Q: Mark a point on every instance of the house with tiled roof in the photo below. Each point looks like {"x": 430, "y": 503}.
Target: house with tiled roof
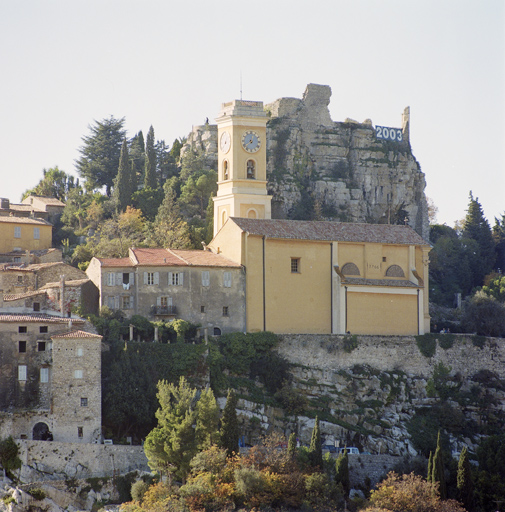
{"x": 200, "y": 287}
{"x": 310, "y": 276}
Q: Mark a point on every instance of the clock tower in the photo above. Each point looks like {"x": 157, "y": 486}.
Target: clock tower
{"x": 242, "y": 163}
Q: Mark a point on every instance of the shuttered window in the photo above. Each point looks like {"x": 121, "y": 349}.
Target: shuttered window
{"x": 227, "y": 279}
{"x": 205, "y": 278}
{"x": 111, "y": 279}
{"x": 151, "y": 278}
{"x": 22, "y": 372}
{"x": 44, "y": 375}
{"x": 176, "y": 278}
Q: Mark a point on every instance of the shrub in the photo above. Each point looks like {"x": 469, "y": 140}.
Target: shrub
{"x": 37, "y": 493}
{"x": 446, "y": 341}
{"x": 9, "y": 459}
{"x": 349, "y": 343}
{"x": 139, "y": 488}
{"x": 427, "y": 344}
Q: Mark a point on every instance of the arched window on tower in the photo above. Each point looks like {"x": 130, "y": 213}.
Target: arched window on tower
{"x": 251, "y": 170}
{"x": 251, "y": 214}
{"x": 225, "y": 170}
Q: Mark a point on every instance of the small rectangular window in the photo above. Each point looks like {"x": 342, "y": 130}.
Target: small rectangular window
{"x": 202, "y": 309}
{"x": 111, "y": 279}
{"x": 225, "y": 310}
{"x": 44, "y": 375}
{"x": 22, "y": 328}
{"x": 36, "y": 306}
{"x": 110, "y": 302}
{"x": 205, "y": 278}
{"x": 17, "y": 231}
{"x": 227, "y": 279}
{"x": 80, "y": 432}
{"x": 384, "y": 258}
{"x": 80, "y": 352}
{"x": 17, "y": 259}
{"x": 126, "y": 302}
{"x": 41, "y": 346}
{"x": 36, "y": 233}
{"x": 20, "y": 279}
{"x": 22, "y": 346}
{"x": 295, "y": 265}
{"x": 43, "y": 329}
{"x": 84, "y": 402}
{"x": 22, "y": 372}
{"x": 77, "y": 374}
{"x": 150, "y": 278}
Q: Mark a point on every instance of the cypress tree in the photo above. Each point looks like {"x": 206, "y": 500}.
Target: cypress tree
{"x": 342, "y": 472}
{"x": 315, "y": 448}
{"x": 429, "y": 478}
{"x": 292, "y": 445}
{"x": 438, "y": 470}
{"x": 464, "y": 480}
{"x": 122, "y": 183}
{"x": 229, "y": 425}
{"x": 150, "y": 165}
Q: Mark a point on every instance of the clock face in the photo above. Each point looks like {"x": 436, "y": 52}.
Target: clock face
{"x": 225, "y": 142}
{"x": 251, "y": 141}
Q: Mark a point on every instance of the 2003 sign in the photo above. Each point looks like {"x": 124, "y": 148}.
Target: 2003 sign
{"x": 389, "y": 133}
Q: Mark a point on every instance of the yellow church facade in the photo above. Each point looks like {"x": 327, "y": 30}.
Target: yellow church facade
{"x": 310, "y": 276}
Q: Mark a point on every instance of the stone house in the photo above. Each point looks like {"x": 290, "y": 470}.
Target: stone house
{"x": 50, "y": 378}
{"x": 164, "y": 284}
{"x": 40, "y": 207}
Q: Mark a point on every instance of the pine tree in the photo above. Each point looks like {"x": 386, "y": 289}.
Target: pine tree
{"x": 499, "y": 239}
{"x": 464, "y": 480}
{"x": 315, "y": 448}
{"x": 292, "y": 445}
{"x": 150, "y": 180}
{"x": 342, "y": 472}
{"x": 207, "y": 423}
{"x": 229, "y": 425}
{"x": 122, "y": 183}
{"x": 438, "y": 469}
{"x": 477, "y": 228}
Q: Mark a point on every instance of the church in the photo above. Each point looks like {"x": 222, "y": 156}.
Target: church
{"x": 310, "y": 276}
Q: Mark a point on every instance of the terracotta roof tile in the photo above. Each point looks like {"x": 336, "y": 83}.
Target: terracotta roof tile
{"x": 74, "y": 282}
{"x": 204, "y": 258}
{"x": 47, "y": 200}
{"x": 115, "y": 262}
{"x": 76, "y": 334}
{"x": 24, "y": 220}
{"x": 330, "y": 231}
{"x": 16, "y": 296}
{"x": 48, "y": 319}
{"x": 157, "y": 256}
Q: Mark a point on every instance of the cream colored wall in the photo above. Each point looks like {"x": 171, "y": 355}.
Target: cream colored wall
{"x": 228, "y": 242}
{"x": 382, "y": 313}
{"x": 26, "y": 242}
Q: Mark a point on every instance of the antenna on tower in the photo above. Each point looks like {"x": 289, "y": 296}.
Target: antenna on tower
{"x": 240, "y": 85}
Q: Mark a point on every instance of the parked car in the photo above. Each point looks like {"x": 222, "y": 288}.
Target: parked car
{"x": 351, "y": 450}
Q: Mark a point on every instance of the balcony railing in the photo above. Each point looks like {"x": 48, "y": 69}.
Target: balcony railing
{"x": 164, "y": 310}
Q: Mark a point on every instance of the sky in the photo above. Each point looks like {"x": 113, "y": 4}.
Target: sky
{"x": 66, "y": 63}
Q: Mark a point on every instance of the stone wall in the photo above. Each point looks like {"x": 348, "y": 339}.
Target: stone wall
{"x": 46, "y": 460}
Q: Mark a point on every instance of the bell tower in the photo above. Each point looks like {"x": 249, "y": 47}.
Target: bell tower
{"x": 242, "y": 163}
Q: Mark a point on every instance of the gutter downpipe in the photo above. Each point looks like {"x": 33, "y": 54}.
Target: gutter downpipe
{"x": 418, "y": 325}
{"x": 264, "y": 292}
{"x": 345, "y": 330}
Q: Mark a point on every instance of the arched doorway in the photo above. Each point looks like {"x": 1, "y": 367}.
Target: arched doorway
{"x": 41, "y": 432}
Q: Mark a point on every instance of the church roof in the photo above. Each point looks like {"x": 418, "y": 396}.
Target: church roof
{"x": 330, "y": 231}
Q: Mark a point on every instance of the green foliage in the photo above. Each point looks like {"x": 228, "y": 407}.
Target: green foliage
{"x": 464, "y": 480}
{"x": 229, "y": 425}
{"x": 438, "y": 474}
{"x": 55, "y": 183}
{"x": 123, "y": 186}
{"x": 100, "y": 152}
{"x": 207, "y": 422}
{"x": 315, "y": 448}
{"x": 484, "y": 315}
{"x": 138, "y": 489}
{"x": 148, "y": 201}
{"x": 342, "y": 472}
{"x": 37, "y": 493}
{"x": 150, "y": 180}
{"x": 427, "y": 344}
{"x": 9, "y": 459}
{"x": 441, "y": 384}
{"x": 349, "y": 343}
{"x": 292, "y": 445}
{"x": 124, "y": 485}
{"x": 291, "y": 399}
{"x": 496, "y": 288}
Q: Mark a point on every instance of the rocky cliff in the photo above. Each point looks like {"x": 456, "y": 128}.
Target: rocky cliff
{"x": 321, "y": 169}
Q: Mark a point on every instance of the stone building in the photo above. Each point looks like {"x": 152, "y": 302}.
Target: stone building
{"x": 19, "y": 234}
{"x": 311, "y": 276}
{"x": 164, "y": 284}
{"x": 50, "y": 378}
{"x": 40, "y": 207}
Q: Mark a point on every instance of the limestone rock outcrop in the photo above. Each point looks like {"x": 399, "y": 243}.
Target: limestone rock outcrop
{"x": 321, "y": 169}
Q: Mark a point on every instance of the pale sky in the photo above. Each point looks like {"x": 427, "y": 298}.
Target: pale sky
{"x": 67, "y": 63}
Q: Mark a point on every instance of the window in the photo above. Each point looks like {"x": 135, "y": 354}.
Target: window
{"x": 164, "y": 302}
{"x": 17, "y": 259}
{"x": 205, "y": 278}
{"x": 295, "y": 265}
{"x": 217, "y": 331}
{"x": 225, "y": 310}
{"x": 22, "y": 328}
{"x": 41, "y": 346}
{"x": 80, "y": 432}
{"x": 17, "y": 231}
{"x": 44, "y": 375}
{"x": 36, "y": 233}
{"x": 383, "y": 258}
{"x": 77, "y": 374}
{"x": 20, "y": 279}
{"x": 151, "y": 278}
{"x": 227, "y": 279}
{"x": 225, "y": 169}
{"x": 22, "y": 372}
{"x": 110, "y": 302}
{"x": 22, "y": 346}
{"x": 84, "y": 402}
{"x": 251, "y": 170}
{"x": 202, "y": 309}
{"x": 111, "y": 279}
{"x": 175, "y": 278}
{"x": 80, "y": 352}
{"x": 43, "y": 329}
{"x": 126, "y": 302}
{"x": 36, "y": 306}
